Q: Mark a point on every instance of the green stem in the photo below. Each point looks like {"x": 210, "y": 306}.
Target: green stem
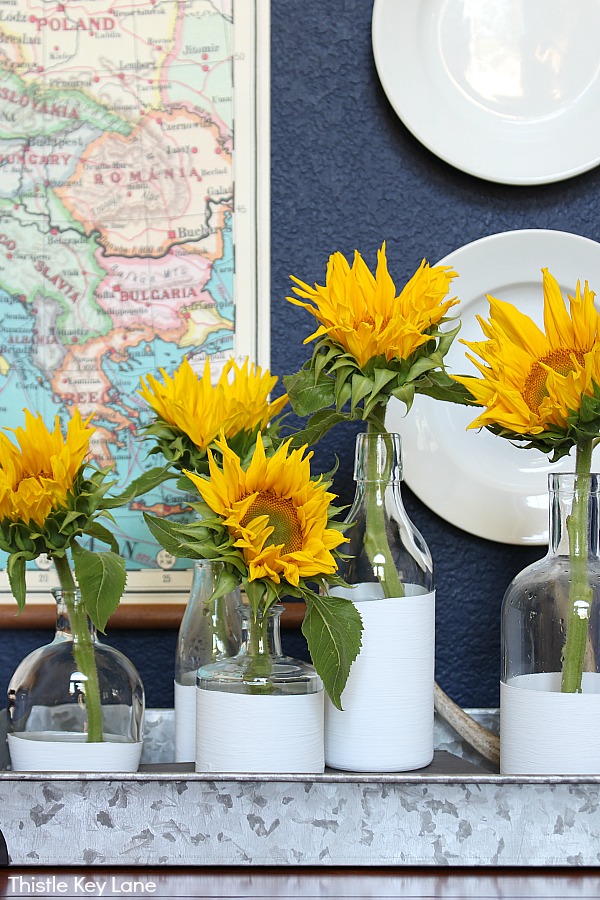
{"x": 83, "y": 649}
{"x": 376, "y": 540}
{"x": 221, "y": 637}
{"x": 580, "y": 594}
{"x": 259, "y": 666}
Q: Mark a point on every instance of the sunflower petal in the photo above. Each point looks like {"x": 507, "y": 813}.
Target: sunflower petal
{"x": 532, "y": 381}
{"x": 238, "y": 402}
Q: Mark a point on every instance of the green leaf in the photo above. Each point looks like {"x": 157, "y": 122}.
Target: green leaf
{"x": 101, "y": 578}
{"x": 100, "y": 533}
{"x": 206, "y": 539}
{"x": 558, "y": 442}
{"x": 67, "y": 519}
{"x": 343, "y": 393}
{"x": 446, "y": 339}
{"x": 332, "y": 627}
{"x": 321, "y": 361}
{"x": 440, "y": 386}
{"x": 345, "y": 364}
{"x": 21, "y": 539}
{"x": 166, "y": 533}
{"x": 308, "y": 393}
{"x": 16, "y": 577}
{"x": 361, "y": 387}
{"x": 226, "y": 583}
{"x": 146, "y": 482}
{"x": 262, "y": 593}
{"x": 420, "y": 366}
{"x": 319, "y": 424}
{"x": 381, "y": 378}
{"x": 406, "y": 394}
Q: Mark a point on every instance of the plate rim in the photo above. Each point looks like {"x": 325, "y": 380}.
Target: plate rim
{"x": 418, "y": 477}
{"x": 558, "y": 173}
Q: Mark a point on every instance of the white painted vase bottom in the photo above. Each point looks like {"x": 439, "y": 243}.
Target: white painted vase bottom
{"x": 185, "y": 722}
{"x": 387, "y": 720}
{"x": 546, "y": 732}
{"x": 63, "y": 752}
{"x": 259, "y": 733}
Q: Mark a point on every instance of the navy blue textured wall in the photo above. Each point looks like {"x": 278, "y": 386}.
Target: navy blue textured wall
{"x": 346, "y": 174}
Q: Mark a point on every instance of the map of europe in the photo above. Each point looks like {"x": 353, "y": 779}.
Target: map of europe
{"x": 116, "y": 239}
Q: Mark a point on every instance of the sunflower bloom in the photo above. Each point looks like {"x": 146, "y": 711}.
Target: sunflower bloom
{"x": 277, "y": 515}
{"x": 36, "y": 476}
{"x": 363, "y": 313}
{"x": 238, "y": 402}
{"x": 533, "y": 380}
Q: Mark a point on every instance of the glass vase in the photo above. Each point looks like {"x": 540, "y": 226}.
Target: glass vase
{"x": 210, "y": 629}
{"x": 49, "y": 706}
{"x": 387, "y": 720}
{"x": 260, "y": 711}
{"x": 550, "y": 683}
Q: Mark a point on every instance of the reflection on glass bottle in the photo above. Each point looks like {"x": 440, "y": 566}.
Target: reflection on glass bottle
{"x": 47, "y": 696}
{"x": 550, "y": 683}
{"x": 387, "y": 718}
{"x": 210, "y": 629}
{"x": 259, "y": 711}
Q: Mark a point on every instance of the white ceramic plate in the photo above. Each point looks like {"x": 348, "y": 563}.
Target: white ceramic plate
{"x": 508, "y": 90}
{"x": 474, "y": 479}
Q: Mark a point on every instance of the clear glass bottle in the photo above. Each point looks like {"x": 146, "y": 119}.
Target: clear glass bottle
{"x": 386, "y": 551}
{"x": 210, "y": 629}
{"x": 259, "y": 711}
{"x": 550, "y": 682}
{"x": 387, "y": 718}
{"x": 48, "y": 718}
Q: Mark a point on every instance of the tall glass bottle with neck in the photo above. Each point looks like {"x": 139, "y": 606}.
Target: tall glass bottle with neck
{"x": 387, "y": 720}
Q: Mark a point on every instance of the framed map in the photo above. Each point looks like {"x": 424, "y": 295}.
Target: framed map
{"x": 133, "y": 185}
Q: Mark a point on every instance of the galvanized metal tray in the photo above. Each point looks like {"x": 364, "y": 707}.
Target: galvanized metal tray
{"x": 455, "y": 812}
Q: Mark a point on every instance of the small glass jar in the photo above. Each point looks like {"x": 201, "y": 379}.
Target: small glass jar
{"x": 550, "y": 683}
{"x": 259, "y": 711}
{"x": 210, "y": 629}
{"x": 48, "y": 715}
{"x": 386, "y": 724}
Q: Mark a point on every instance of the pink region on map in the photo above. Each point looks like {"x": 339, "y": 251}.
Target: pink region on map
{"x": 154, "y": 292}
{"x": 136, "y": 192}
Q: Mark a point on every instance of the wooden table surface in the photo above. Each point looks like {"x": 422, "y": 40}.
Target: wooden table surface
{"x": 303, "y": 884}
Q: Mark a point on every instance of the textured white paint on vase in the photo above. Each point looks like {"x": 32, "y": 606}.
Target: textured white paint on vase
{"x": 259, "y": 733}
{"x": 546, "y": 732}
{"x": 387, "y": 720}
{"x": 63, "y": 752}
{"x": 185, "y": 722}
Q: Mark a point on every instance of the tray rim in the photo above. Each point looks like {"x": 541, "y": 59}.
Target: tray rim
{"x": 325, "y": 778}
{"x": 329, "y": 776}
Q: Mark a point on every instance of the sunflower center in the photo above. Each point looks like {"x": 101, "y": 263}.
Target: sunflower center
{"x": 282, "y": 518}
{"x": 561, "y": 361}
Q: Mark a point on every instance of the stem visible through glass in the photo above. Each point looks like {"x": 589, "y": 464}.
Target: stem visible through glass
{"x": 376, "y": 540}
{"x": 580, "y": 594}
{"x": 83, "y": 649}
{"x": 260, "y": 665}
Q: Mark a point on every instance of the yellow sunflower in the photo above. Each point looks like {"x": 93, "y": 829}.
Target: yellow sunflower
{"x": 533, "y": 379}
{"x": 238, "y": 402}
{"x": 36, "y": 476}
{"x": 277, "y": 515}
{"x": 364, "y": 314}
